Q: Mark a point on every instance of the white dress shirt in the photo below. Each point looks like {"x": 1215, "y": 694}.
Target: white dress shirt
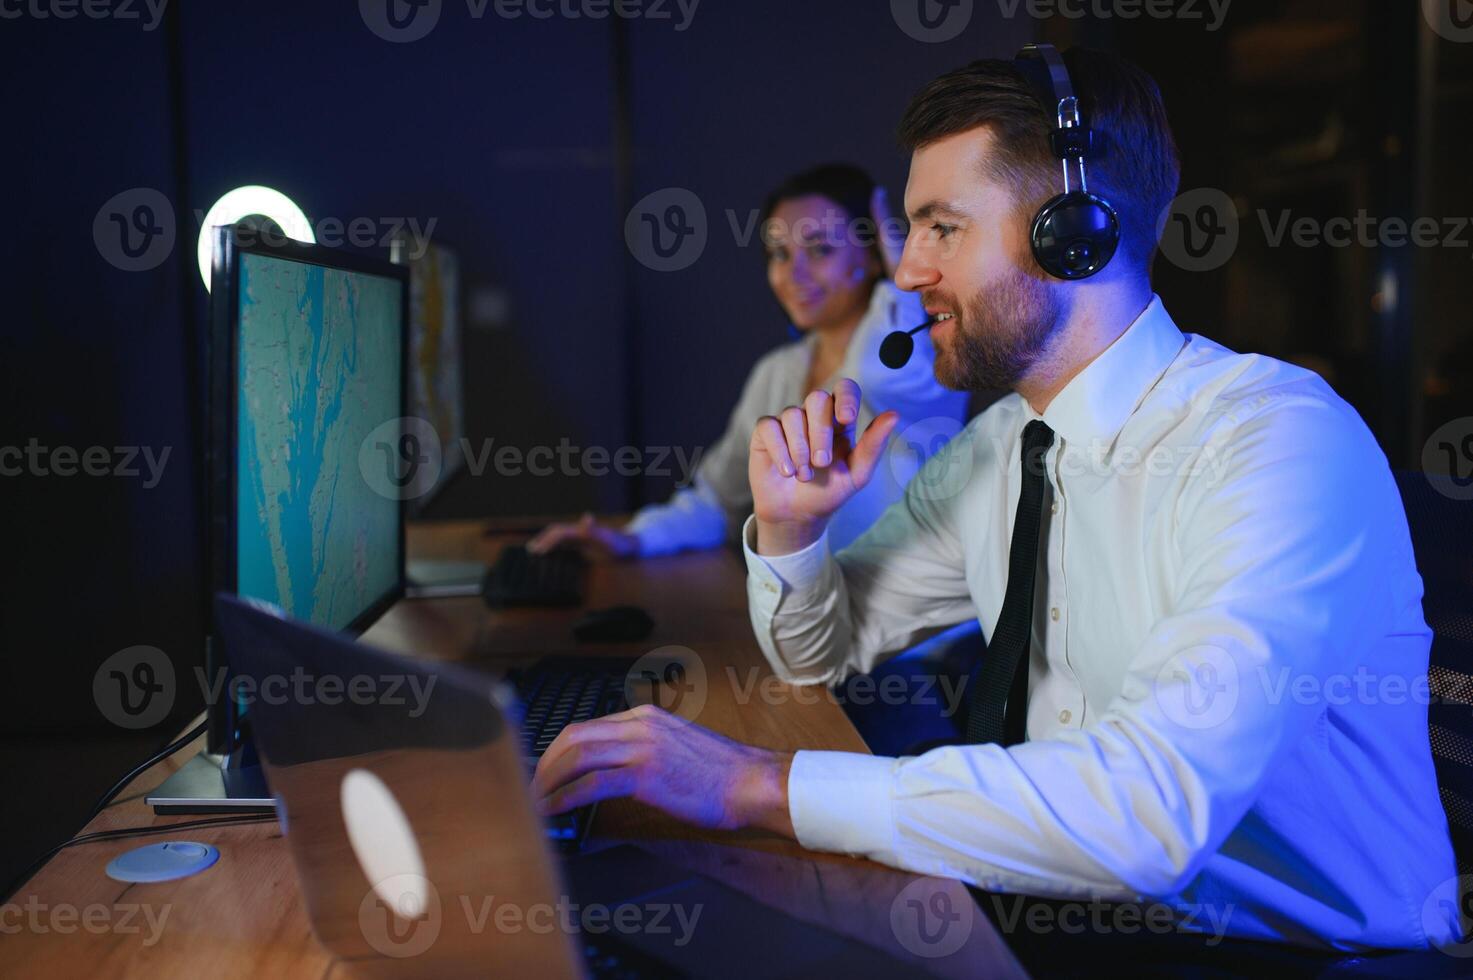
{"x": 1227, "y": 685}
{"x": 710, "y": 511}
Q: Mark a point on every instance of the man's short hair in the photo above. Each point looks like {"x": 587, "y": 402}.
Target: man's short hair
{"x": 1133, "y": 164}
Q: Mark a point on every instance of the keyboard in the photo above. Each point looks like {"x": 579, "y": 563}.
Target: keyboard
{"x": 608, "y": 956}
{"x": 520, "y": 578}
{"x": 555, "y": 693}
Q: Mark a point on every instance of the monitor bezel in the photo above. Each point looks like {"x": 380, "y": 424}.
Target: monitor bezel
{"x": 221, "y": 449}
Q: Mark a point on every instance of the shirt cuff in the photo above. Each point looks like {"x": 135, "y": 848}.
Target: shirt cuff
{"x": 797, "y": 571}
{"x": 844, "y": 801}
{"x": 654, "y": 540}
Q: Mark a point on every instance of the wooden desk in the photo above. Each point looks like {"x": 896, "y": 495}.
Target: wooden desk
{"x": 245, "y": 916}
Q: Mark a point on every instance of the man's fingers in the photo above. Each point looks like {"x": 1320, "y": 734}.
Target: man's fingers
{"x": 795, "y": 430}
{"x": 846, "y": 402}
{"x": 609, "y": 728}
{"x": 768, "y": 436}
{"x": 819, "y": 408}
{"x": 871, "y": 446}
{"x": 552, "y": 536}
{"x": 604, "y": 784}
{"x": 579, "y": 760}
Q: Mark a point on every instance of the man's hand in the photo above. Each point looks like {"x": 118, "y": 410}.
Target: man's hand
{"x": 672, "y": 764}
{"x": 804, "y": 465}
{"x": 585, "y": 533}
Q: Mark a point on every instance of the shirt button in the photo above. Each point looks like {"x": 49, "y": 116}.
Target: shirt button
{"x": 1054, "y": 614}
{"x": 1064, "y": 716}
{"x": 1053, "y": 508}
{"x": 769, "y": 586}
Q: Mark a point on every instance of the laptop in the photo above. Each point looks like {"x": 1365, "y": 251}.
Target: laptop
{"x": 401, "y": 788}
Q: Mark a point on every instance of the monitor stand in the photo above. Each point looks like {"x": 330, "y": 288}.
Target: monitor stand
{"x": 430, "y": 579}
{"x": 211, "y": 784}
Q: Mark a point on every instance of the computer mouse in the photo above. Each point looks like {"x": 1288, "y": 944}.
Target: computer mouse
{"x": 617, "y": 624}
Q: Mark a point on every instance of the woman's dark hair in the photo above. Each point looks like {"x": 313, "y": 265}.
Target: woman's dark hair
{"x": 846, "y": 185}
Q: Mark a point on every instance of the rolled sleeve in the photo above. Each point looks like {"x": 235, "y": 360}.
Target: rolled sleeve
{"x": 843, "y": 801}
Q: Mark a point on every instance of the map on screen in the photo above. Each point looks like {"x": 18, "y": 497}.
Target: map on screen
{"x": 318, "y": 362}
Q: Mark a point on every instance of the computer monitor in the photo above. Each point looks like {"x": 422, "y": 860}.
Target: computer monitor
{"x": 435, "y": 388}
{"x": 310, "y": 348}
{"x": 306, "y": 401}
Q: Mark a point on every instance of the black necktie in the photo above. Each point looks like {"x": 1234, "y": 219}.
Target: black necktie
{"x": 1002, "y": 678}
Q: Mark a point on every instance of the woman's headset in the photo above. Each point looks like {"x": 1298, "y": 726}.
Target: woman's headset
{"x": 1076, "y": 232}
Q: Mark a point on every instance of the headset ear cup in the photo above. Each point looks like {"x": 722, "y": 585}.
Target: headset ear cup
{"x": 1074, "y": 235}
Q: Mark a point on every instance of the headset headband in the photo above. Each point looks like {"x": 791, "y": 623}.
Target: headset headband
{"x": 1069, "y": 137}
{"x": 1044, "y": 71}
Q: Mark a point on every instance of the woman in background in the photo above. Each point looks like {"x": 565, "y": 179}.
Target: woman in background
{"x": 829, "y": 263}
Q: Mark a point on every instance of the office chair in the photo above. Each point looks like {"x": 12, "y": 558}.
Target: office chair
{"x": 1442, "y": 538}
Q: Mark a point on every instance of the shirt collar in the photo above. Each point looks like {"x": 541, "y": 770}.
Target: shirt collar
{"x": 1093, "y": 407}
{"x": 886, "y": 303}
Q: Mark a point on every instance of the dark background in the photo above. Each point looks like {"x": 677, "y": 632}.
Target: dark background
{"x": 528, "y": 142}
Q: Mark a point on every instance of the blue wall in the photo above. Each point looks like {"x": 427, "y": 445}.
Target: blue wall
{"x": 92, "y": 356}
{"x": 524, "y": 140}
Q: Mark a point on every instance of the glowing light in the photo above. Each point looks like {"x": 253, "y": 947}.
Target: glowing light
{"x": 242, "y": 203}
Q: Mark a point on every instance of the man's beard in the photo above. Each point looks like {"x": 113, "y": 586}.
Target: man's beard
{"x": 999, "y": 334}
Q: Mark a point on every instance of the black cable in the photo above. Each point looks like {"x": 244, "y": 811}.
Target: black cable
{"x": 107, "y": 798}
{"x": 125, "y": 832}
{"x": 153, "y": 760}
{"x": 122, "y": 833}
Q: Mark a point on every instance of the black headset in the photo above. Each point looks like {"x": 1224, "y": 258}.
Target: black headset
{"x": 1076, "y": 232}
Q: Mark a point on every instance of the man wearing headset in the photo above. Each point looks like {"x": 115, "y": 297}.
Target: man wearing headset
{"x": 1183, "y": 558}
